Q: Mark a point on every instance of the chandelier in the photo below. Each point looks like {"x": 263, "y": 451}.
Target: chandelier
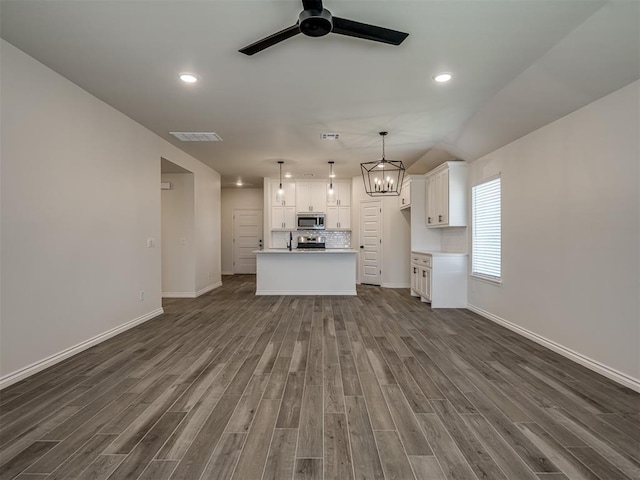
{"x": 382, "y": 177}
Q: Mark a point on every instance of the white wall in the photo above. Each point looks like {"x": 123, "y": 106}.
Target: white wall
{"x": 571, "y": 242}
{"x": 80, "y": 196}
{"x": 178, "y": 236}
{"x": 207, "y": 218}
{"x": 235, "y": 198}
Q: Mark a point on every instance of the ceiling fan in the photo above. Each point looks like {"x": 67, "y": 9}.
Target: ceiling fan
{"x": 317, "y": 21}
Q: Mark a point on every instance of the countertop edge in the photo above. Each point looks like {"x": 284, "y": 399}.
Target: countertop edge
{"x": 307, "y": 251}
{"x": 435, "y": 253}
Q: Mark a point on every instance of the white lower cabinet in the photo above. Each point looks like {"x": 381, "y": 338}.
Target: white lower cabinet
{"x": 439, "y": 278}
{"x": 421, "y": 276}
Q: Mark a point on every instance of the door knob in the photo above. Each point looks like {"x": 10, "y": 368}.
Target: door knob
{"x": 361, "y": 246}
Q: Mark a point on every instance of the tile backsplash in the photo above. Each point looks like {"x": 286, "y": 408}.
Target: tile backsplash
{"x": 333, "y": 239}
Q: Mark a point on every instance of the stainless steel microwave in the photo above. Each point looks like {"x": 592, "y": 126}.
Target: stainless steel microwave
{"x": 310, "y": 221}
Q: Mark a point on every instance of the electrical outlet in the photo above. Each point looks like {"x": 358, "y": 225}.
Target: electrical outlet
{"x": 151, "y": 242}
{"x": 141, "y": 295}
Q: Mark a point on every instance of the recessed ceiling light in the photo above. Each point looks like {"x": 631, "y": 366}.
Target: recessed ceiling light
{"x": 443, "y": 77}
{"x": 188, "y": 77}
{"x": 239, "y": 183}
{"x": 287, "y": 175}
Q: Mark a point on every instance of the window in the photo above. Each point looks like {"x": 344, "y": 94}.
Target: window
{"x": 486, "y": 243}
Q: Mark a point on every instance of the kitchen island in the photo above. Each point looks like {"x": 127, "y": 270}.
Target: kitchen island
{"x": 306, "y": 272}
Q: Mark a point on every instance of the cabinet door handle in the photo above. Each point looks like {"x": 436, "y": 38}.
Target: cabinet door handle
{"x": 414, "y": 269}
{"x": 428, "y": 219}
{"x": 439, "y": 218}
{"x": 424, "y": 274}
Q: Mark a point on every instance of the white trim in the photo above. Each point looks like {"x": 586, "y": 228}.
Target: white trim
{"x": 227, "y": 273}
{"x": 207, "y": 289}
{"x": 40, "y": 365}
{"x": 396, "y": 285}
{"x": 611, "y": 373}
{"x": 178, "y": 295}
{"x": 298, "y": 292}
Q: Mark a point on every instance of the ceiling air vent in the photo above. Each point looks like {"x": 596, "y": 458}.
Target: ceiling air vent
{"x": 330, "y": 136}
{"x": 197, "y": 136}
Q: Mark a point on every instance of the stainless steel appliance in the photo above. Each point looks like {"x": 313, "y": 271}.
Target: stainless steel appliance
{"x": 307, "y": 242}
{"x": 310, "y": 221}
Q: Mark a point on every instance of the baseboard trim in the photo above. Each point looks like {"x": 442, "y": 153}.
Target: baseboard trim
{"x": 178, "y": 295}
{"x": 396, "y": 285}
{"x": 611, "y": 373}
{"x": 36, "y": 367}
{"x": 207, "y": 289}
{"x": 227, "y": 273}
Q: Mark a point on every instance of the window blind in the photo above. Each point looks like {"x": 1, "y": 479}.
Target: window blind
{"x": 486, "y": 244}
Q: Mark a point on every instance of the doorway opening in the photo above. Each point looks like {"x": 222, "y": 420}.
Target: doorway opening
{"x": 177, "y": 231}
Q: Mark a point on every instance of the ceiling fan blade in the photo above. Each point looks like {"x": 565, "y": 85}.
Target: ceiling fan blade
{"x": 312, "y": 5}
{"x": 350, "y": 28}
{"x": 270, "y": 40}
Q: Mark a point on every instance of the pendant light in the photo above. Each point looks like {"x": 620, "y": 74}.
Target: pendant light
{"x": 331, "y": 175}
{"x": 280, "y": 190}
{"x": 382, "y": 177}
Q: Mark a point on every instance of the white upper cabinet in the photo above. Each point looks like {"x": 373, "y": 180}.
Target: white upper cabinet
{"x": 285, "y": 199}
{"x": 447, "y": 195}
{"x": 338, "y": 218}
{"x": 283, "y": 218}
{"x": 341, "y": 195}
{"x": 405, "y": 194}
{"x": 311, "y": 196}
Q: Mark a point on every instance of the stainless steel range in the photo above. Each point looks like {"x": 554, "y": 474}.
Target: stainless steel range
{"x": 308, "y": 242}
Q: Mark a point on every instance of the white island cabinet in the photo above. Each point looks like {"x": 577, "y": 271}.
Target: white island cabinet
{"x": 306, "y": 272}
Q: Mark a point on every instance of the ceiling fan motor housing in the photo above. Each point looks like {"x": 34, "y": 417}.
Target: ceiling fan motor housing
{"x": 314, "y": 23}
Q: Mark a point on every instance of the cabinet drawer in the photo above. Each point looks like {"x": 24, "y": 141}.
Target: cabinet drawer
{"x": 426, "y": 260}
{"x": 420, "y": 259}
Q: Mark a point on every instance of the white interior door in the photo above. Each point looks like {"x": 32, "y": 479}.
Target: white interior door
{"x": 370, "y": 242}
{"x": 247, "y": 237}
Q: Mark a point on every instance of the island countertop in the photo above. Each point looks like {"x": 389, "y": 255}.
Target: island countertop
{"x": 305, "y": 250}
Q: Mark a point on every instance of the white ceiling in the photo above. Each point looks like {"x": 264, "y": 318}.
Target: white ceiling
{"x": 518, "y": 64}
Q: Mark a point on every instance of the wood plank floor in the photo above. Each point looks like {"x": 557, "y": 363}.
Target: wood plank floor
{"x": 378, "y": 386}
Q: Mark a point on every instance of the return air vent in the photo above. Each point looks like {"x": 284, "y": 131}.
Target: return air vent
{"x": 330, "y": 136}
{"x": 197, "y": 136}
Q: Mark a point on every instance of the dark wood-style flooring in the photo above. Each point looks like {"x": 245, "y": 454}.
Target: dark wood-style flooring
{"x": 378, "y": 386}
